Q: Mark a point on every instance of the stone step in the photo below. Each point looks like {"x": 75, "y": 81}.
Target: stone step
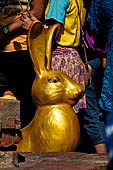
{"x": 52, "y": 161}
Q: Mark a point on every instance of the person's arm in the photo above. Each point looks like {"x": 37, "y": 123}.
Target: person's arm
{"x": 27, "y": 20}
{"x": 36, "y": 12}
{"x": 36, "y": 8}
{"x": 84, "y": 18}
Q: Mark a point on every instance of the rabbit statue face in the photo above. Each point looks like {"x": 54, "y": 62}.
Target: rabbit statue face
{"x": 54, "y": 87}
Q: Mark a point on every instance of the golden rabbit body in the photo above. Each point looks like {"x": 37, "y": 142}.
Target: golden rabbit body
{"x": 55, "y": 127}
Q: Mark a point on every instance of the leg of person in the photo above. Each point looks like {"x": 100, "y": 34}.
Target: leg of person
{"x": 93, "y": 127}
{"x": 92, "y": 124}
{"x": 109, "y": 134}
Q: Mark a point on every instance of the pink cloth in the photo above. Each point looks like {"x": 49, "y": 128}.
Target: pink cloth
{"x": 91, "y": 42}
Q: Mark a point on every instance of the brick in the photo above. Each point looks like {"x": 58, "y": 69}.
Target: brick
{"x": 9, "y": 122}
{"x": 17, "y": 123}
{"x": 9, "y": 111}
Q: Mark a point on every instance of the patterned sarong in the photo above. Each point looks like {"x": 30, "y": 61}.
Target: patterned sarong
{"x": 68, "y": 61}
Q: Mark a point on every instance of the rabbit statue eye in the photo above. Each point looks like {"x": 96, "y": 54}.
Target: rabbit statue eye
{"x": 54, "y": 79}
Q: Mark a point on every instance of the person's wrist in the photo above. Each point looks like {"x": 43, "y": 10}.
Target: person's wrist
{"x": 5, "y": 30}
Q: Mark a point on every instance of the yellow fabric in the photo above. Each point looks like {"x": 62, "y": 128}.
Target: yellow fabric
{"x": 70, "y": 33}
{"x": 9, "y": 15}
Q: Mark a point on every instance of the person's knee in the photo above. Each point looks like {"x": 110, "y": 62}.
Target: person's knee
{"x": 95, "y": 65}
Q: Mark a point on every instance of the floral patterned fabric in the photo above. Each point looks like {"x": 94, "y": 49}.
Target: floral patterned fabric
{"x": 67, "y": 60}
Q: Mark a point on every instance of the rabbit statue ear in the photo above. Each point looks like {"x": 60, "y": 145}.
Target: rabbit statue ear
{"x": 49, "y": 40}
{"x": 36, "y": 46}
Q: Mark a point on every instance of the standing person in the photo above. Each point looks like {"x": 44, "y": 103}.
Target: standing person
{"x": 16, "y": 72}
{"x": 101, "y": 21}
{"x": 91, "y": 118}
{"x": 65, "y": 57}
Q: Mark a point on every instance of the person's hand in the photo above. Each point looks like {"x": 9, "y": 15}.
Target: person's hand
{"x": 103, "y": 63}
{"x": 27, "y": 20}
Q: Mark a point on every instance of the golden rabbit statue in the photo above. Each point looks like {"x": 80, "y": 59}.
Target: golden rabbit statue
{"x": 55, "y": 127}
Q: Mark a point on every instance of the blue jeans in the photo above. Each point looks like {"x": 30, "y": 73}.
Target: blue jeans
{"x": 109, "y": 134}
{"x": 90, "y": 116}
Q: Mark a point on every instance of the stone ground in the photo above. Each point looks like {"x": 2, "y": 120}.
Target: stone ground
{"x": 52, "y": 161}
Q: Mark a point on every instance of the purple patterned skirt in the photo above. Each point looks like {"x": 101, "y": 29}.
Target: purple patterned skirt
{"x": 68, "y": 61}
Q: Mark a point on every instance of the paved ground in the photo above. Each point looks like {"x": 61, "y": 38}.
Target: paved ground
{"x": 52, "y": 161}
